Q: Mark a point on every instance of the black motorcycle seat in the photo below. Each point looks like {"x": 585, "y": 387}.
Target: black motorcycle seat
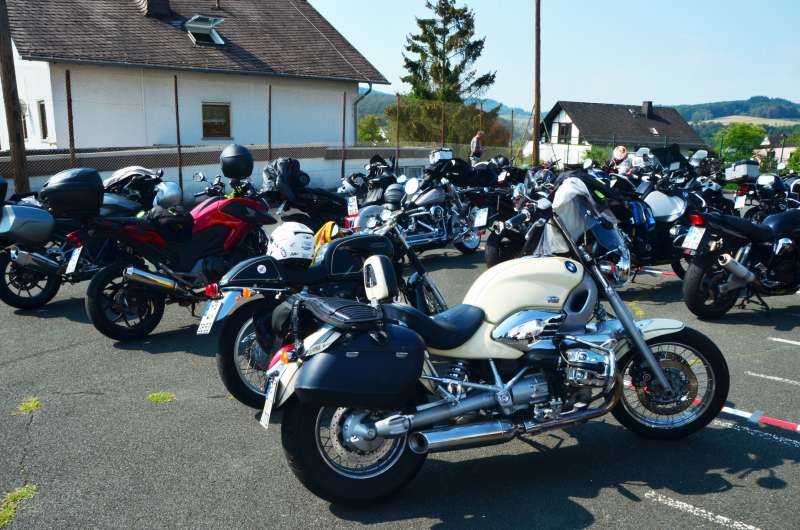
{"x": 758, "y": 233}
{"x": 445, "y": 331}
{"x": 785, "y": 223}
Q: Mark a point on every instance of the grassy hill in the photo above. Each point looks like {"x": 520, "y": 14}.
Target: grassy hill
{"x": 755, "y": 120}
{"x": 757, "y": 106}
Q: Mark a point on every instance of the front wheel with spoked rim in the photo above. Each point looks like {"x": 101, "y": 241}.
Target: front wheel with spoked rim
{"x": 698, "y": 375}
{"x": 327, "y": 455}
{"x": 120, "y": 309}
{"x": 25, "y": 288}
{"x": 242, "y": 359}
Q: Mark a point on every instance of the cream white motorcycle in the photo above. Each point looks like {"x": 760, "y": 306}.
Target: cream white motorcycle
{"x": 376, "y": 387}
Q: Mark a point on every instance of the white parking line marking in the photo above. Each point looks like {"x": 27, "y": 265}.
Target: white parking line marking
{"x": 783, "y": 440}
{"x": 786, "y": 341}
{"x": 698, "y": 512}
{"x": 774, "y": 378}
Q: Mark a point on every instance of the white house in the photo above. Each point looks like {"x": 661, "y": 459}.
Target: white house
{"x": 571, "y": 128}
{"x": 235, "y": 61}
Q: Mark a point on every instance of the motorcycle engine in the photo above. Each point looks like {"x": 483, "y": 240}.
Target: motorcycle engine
{"x": 587, "y": 368}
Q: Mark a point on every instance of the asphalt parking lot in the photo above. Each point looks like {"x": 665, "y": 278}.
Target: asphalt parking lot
{"x": 103, "y": 456}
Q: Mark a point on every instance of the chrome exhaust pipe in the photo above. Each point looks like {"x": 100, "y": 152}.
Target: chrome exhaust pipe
{"x": 149, "y": 279}
{"x": 500, "y": 431}
{"x": 462, "y": 436}
{"x": 35, "y": 261}
{"x": 727, "y": 262}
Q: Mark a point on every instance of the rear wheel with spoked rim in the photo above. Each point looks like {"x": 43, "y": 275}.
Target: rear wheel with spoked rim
{"x": 326, "y": 453}
{"x": 698, "y": 375}
{"x": 25, "y": 288}
{"x": 702, "y": 291}
{"x": 120, "y": 309}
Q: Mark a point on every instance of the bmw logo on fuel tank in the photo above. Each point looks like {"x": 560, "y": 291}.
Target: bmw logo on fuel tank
{"x": 571, "y": 267}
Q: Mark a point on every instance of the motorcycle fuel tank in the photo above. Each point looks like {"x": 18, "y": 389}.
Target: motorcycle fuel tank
{"x": 429, "y": 197}
{"x": 525, "y": 283}
{"x": 666, "y": 208}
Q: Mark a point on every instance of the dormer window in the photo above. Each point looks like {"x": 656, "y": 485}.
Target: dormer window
{"x": 202, "y": 30}
{"x": 654, "y": 131}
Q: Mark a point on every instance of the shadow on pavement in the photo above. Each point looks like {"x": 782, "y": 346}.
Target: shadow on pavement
{"x": 452, "y": 259}
{"x": 536, "y": 489}
{"x": 182, "y": 339}
{"x": 71, "y": 308}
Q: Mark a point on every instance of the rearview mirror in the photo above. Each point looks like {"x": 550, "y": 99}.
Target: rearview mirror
{"x": 199, "y": 177}
{"x": 588, "y": 163}
{"x": 401, "y": 179}
{"x": 781, "y": 166}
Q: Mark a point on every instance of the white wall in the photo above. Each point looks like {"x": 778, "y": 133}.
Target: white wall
{"x": 33, "y": 85}
{"x": 127, "y": 107}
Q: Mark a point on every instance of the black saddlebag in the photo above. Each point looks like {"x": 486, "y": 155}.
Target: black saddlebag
{"x": 373, "y": 369}
{"x": 73, "y": 193}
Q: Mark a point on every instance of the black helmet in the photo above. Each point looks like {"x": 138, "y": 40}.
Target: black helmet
{"x": 501, "y": 161}
{"x": 236, "y": 161}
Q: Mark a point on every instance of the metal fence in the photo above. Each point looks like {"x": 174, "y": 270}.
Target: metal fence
{"x": 407, "y": 129}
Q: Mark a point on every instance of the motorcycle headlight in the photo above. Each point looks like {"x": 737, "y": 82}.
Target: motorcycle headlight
{"x": 618, "y": 271}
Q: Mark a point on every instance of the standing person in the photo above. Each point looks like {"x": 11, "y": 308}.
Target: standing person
{"x": 476, "y": 147}
{"x": 620, "y": 162}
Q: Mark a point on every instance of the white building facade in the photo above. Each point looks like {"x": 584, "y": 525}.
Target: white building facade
{"x": 122, "y": 106}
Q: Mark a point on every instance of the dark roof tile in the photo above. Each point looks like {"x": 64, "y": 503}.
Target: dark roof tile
{"x": 269, "y": 37}
{"x": 604, "y": 123}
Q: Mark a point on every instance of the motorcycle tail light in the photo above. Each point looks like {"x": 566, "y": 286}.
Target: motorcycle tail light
{"x": 75, "y": 239}
{"x": 281, "y": 356}
{"x": 212, "y": 290}
{"x": 742, "y": 190}
{"x": 696, "y": 219}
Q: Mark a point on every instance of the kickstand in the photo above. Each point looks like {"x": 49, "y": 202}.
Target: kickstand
{"x": 758, "y": 301}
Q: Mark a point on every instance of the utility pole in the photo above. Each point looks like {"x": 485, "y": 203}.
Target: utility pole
{"x": 8, "y": 77}
{"x": 537, "y": 44}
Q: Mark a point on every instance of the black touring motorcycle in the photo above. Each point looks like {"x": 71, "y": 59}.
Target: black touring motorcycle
{"x": 44, "y": 234}
{"x": 249, "y": 308}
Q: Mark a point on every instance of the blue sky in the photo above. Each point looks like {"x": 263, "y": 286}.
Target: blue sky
{"x": 625, "y": 51}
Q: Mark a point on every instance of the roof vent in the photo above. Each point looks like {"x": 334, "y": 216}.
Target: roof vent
{"x": 154, "y": 8}
{"x": 202, "y": 30}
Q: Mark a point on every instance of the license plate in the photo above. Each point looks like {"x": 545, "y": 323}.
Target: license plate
{"x": 739, "y": 203}
{"x": 209, "y": 317}
{"x": 73, "y": 260}
{"x": 352, "y": 205}
{"x": 480, "y": 218}
{"x": 693, "y": 237}
{"x": 272, "y": 389}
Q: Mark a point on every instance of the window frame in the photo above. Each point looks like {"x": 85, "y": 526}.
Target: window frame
{"x": 227, "y": 106}
{"x": 44, "y": 131}
{"x": 568, "y": 136}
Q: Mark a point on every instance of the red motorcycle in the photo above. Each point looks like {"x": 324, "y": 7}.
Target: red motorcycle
{"x": 171, "y": 256}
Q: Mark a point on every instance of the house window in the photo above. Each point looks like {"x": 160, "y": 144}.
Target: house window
{"x": 216, "y": 120}
{"x": 42, "y": 119}
{"x": 564, "y": 133}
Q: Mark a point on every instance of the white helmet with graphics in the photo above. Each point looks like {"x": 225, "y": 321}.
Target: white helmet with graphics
{"x": 292, "y": 243}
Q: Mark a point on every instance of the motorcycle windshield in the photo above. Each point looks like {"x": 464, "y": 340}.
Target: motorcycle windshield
{"x": 578, "y": 212}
